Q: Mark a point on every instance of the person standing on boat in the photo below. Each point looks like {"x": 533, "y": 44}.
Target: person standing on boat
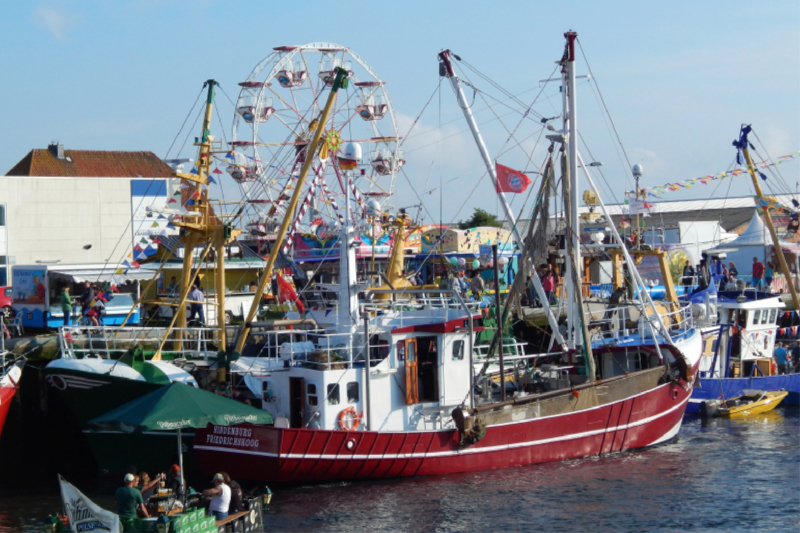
{"x": 548, "y": 284}
{"x": 768, "y": 275}
{"x": 221, "y": 499}
{"x": 688, "y": 277}
{"x": 758, "y": 273}
{"x": 733, "y": 273}
{"x": 196, "y": 307}
{"x": 779, "y": 356}
{"x": 66, "y": 305}
{"x": 795, "y": 352}
{"x": 86, "y": 298}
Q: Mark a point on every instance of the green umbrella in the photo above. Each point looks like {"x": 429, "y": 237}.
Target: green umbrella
{"x": 177, "y": 406}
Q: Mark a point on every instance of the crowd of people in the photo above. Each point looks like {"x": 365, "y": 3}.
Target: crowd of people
{"x": 225, "y": 495}
{"x": 92, "y": 302}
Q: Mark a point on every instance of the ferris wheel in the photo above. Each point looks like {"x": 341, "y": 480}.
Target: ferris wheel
{"x": 275, "y": 118}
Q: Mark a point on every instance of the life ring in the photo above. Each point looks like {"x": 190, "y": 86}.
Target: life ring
{"x": 349, "y": 419}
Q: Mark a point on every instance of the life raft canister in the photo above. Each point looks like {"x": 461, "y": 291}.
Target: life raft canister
{"x": 349, "y": 419}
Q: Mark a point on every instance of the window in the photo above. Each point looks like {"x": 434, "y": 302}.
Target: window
{"x": 764, "y": 316}
{"x": 311, "y": 395}
{"x": 458, "y": 350}
{"x": 2, "y": 214}
{"x": 773, "y": 314}
{"x": 352, "y": 392}
{"x": 401, "y": 350}
{"x": 333, "y": 394}
{"x": 756, "y": 316}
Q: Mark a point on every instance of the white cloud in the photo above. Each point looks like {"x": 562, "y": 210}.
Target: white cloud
{"x": 55, "y": 21}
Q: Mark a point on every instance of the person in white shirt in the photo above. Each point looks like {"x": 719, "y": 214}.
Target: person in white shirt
{"x": 221, "y": 497}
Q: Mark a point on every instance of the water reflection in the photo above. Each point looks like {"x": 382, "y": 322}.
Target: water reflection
{"x": 719, "y": 475}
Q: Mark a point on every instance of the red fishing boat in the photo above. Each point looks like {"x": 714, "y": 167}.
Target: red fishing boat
{"x": 391, "y": 381}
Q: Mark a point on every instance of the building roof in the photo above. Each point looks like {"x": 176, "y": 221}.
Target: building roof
{"x": 90, "y": 164}
{"x": 731, "y": 213}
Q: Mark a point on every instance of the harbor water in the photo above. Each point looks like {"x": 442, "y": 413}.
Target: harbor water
{"x": 718, "y": 475}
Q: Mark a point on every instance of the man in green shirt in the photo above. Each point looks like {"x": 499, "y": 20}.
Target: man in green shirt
{"x": 129, "y": 499}
{"x": 66, "y": 306}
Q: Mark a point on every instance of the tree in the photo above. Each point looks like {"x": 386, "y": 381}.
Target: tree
{"x": 480, "y": 218}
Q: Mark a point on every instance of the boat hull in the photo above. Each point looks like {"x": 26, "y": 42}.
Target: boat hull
{"x": 718, "y": 388}
{"x": 8, "y": 387}
{"x": 769, "y": 403}
{"x": 269, "y": 454}
{"x": 6, "y": 395}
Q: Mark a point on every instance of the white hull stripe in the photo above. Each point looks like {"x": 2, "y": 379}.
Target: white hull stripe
{"x": 467, "y": 451}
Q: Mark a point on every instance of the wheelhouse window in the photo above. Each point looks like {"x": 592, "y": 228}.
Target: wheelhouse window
{"x": 333, "y": 394}
{"x": 764, "y": 316}
{"x": 352, "y": 392}
{"x": 311, "y": 395}
{"x": 773, "y": 314}
{"x": 458, "y": 350}
{"x": 756, "y": 316}
{"x": 401, "y": 350}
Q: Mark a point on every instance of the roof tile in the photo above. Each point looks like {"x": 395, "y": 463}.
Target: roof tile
{"x": 92, "y": 164}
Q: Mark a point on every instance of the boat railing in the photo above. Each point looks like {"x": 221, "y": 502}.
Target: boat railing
{"x": 312, "y": 348}
{"x": 111, "y": 341}
{"x": 620, "y": 321}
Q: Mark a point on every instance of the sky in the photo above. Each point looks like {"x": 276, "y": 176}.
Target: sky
{"x": 677, "y": 80}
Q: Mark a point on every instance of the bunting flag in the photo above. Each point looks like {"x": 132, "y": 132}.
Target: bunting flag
{"x": 189, "y": 202}
{"x": 161, "y": 216}
{"x": 126, "y": 263}
{"x": 172, "y": 201}
{"x": 154, "y": 225}
{"x": 170, "y": 225}
{"x": 657, "y": 190}
{"x": 229, "y": 155}
{"x": 212, "y": 180}
{"x": 215, "y": 171}
{"x": 156, "y": 241}
{"x": 137, "y": 248}
{"x": 194, "y": 171}
{"x": 119, "y": 271}
{"x": 135, "y": 264}
{"x": 177, "y": 193}
{"x": 143, "y": 241}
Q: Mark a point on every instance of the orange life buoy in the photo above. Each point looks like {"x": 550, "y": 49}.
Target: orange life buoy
{"x": 349, "y": 419}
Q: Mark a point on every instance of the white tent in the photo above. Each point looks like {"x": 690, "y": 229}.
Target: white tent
{"x": 755, "y": 241}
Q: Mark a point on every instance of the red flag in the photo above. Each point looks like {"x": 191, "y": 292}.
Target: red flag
{"x": 217, "y": 171}
{"x": 286, "y": 293}
{"x": 510, "y": 180}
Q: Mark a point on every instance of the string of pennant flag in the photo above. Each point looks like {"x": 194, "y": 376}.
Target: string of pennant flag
{"x": 657, "y": 190}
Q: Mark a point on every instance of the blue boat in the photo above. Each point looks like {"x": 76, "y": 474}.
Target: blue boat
{"x": 738, "y": 342}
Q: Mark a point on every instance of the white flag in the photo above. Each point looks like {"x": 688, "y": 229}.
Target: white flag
{"x": 84, "y": 514}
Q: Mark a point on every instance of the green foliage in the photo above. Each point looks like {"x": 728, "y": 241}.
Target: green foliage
{"x": 480, "y": 218}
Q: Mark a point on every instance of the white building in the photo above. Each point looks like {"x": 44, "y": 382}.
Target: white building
{"x": 74, "y": 206}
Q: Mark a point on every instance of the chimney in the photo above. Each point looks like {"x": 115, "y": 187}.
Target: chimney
{"x": 57, "y": 150}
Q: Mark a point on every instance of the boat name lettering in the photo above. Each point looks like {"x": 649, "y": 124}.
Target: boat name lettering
{"x": 173, "y": 425}
{"x": 231, "y": 441}
{"x": 238, "y": 432}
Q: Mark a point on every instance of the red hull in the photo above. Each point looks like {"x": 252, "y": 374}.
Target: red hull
{"x": 270, "y": 454}
{"x": 6, "y": 394}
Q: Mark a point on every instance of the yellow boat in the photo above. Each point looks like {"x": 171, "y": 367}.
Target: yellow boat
{"x": 752, "y": 402}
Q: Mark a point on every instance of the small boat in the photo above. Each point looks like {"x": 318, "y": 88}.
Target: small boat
{"x": 751, "y": 402}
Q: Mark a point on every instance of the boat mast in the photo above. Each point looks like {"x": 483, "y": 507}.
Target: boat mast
{"x": 339, "y": 82}
{"x": 573, "y": 256}
{"x": 444, "y": 56}
{"x": 743, "y": 145}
